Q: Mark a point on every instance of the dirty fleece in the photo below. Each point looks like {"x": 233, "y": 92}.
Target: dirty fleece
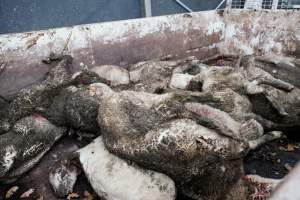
{"x": 159, "y": 128}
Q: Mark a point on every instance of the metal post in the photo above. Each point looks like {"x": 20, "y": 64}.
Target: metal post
{"x": 184, "y": 6}
{"x": 146, "y": 8}
{"x": 220, "y": 4}
{"x": 229, "y": 4}
{"x": 274, "y": 4}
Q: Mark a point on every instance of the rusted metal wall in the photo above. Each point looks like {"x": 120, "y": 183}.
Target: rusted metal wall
{"x": 125, "y": 42}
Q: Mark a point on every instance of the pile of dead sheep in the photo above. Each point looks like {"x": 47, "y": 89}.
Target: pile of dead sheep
{"x": 160, "y": 127}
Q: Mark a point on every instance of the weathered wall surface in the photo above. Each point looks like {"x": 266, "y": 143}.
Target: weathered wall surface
{"x": 125, "y": 42}
{"x": 262, "y": 32}
{"x": 120, "y": 43}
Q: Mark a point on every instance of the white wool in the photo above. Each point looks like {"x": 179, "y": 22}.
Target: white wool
{"x": 180, "y": 81}
{"x": 63, "y": 179}
{"x": 9, "y": 156}
{"x": 55, "y": 180}
{"x": 31, "y": 150}
{"x": 146, "y": 99}
{"x": 114, "y": 179}
{"x": 117, "y": 75}
{"x": 135, "y": 75}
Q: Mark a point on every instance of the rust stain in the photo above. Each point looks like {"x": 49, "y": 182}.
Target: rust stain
{"x": 155, "y": 45}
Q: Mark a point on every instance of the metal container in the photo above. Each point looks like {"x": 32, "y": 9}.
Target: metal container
{"x": 201, "y": 34}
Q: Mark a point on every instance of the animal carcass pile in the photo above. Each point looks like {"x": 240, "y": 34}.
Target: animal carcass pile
{"x": 161, "y": 130}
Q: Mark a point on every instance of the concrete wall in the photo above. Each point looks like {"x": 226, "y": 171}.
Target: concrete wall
{"x": 122, "y": 43}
